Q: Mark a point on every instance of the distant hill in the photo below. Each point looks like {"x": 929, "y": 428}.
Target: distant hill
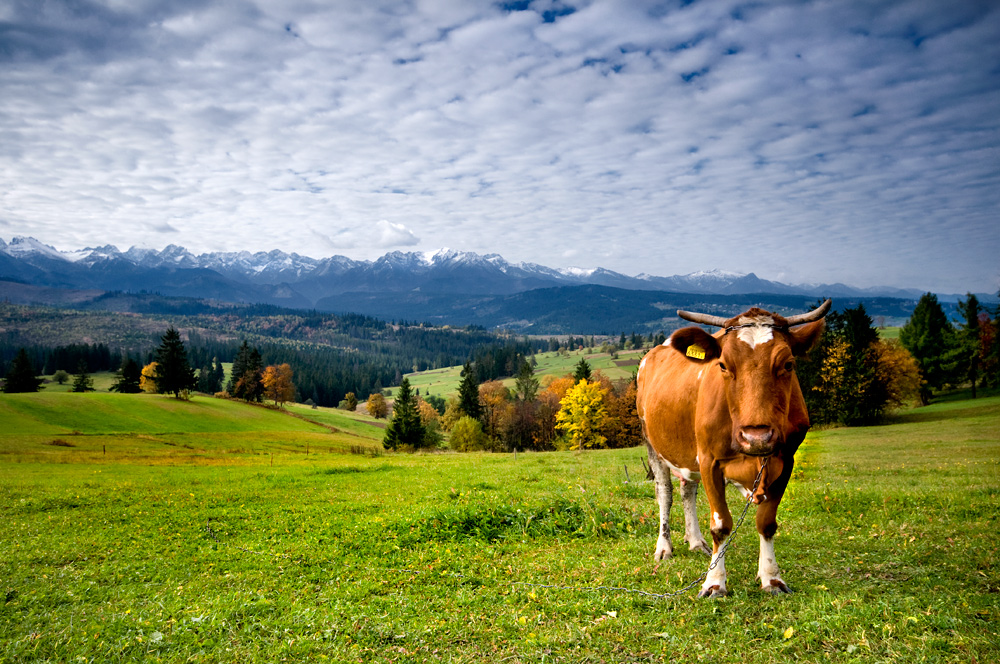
{"x": 446, "y": 287}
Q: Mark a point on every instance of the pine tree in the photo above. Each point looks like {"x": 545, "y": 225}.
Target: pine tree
{"x": 405, "y": 430}
{"x": 21, "y": 375}
{"x": 970, "y": 347}
{"x": 83, "y": 382}
{"x": 129, "y": 378}
{"x": 931, "y": 340}
{"x": 582, "y": 370}
{"x": 173, "y": 373}
{"x": 525, "y": 383}
{"x": 468, "y": 393}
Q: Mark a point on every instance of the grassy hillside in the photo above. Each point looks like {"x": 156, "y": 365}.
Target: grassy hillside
{"x": 143, "y": 427}
{"x": 444, "y": 382}
{"x": 886, "y": 536}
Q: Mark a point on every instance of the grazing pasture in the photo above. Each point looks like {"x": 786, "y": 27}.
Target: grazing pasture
{"x": 154, "y": 552}
{"x": 444, "y": 382}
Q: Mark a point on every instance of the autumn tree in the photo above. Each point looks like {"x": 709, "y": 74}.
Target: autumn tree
{"x": 582, "y": 416}
{"x": 899, "y": 373}
{"x": 147, "y": 378}
{"x": 349, "y": 402}
{"x": 21, "y": 376}
{"x": 376, "y": 406}
{"x": 494, "y": 399}
{"x": 82, "y": 382}
{"x": 173, "y": 373}
{"x": 278, "y": 385}
{"x": 467, "y": 435}
{"x": 405, "y": 430}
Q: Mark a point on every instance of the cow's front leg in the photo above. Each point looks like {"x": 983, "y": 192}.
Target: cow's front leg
{"x": 722, "y": 525}
{"x": 767, "y": 564}
{"x": 665, "y": 499}
{"x": 692, "y": 531}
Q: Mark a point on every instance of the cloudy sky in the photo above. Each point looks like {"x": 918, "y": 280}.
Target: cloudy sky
{"x": 812, "y": 141}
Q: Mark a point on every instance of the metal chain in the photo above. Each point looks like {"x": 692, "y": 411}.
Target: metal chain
{"x": 636, "y": 591}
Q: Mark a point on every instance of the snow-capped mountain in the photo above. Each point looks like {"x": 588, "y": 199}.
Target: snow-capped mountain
{"x": 290, "y": 279}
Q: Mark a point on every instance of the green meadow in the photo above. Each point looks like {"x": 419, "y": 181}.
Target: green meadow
{"x": 444, "y": 382}
{"x": 141, "y": 528}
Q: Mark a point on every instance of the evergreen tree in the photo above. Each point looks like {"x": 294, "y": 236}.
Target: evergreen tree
{"x": 865, "y": 392}
{"x": 129, "y": 377}
{"x": 468, "y": 393}
{"x": 405, "y": 429}
{"x": 83, "y": 382}
{"x": 173, "y": 373}
{"x": 582, "y": 370}
{"x": 21, "y": 375}
{"x": 525, "y": 383}
{"x": 246, "y": 381}
{"x": 970, "y": 347}
{"x": 930, "y": 338}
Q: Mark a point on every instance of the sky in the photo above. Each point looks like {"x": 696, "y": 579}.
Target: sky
{"x": 806, "y": 142}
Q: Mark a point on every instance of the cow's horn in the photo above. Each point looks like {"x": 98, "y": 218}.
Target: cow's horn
{"x": 815, "y": 314}
{"x": 704, "y": 319}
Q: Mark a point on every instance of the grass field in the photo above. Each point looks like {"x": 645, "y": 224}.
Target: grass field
{"x": 888, "y": 537}
{"x": 444, "y": 382}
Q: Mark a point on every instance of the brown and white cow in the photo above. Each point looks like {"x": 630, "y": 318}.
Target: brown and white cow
{"x": 713, "y": 407}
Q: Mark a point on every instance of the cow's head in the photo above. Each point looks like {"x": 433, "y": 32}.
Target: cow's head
{"x": 755, "y": 357}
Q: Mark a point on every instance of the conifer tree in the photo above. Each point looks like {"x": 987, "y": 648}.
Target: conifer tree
{"x": 970, "y": 347}
{"x": 83, "y": 382}
{"x": 129, "y": 378}
{"x": 173, "y": 373}
{"x": 468, "y": 393}
{"x": 21, "y": 375}
{"x": 582, "y": 370}
{"x": 931, "y": 340}
{"x": 405, "y": 429}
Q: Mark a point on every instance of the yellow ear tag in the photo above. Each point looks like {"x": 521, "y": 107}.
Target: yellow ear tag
{"x": 697, "y": 352}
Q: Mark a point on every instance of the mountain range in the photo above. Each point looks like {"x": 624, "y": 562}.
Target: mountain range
{"x": 447, "y": 286}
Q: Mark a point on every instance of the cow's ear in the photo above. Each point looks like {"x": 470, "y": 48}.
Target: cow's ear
{"x": 804, "y": 337}
{"x": 695, "y": 344}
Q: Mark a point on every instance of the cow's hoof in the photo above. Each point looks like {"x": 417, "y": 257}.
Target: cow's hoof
{"x": 662, "y": 554}
{"x": 712, "y": 592}
{"x": 777, "y": 587}
{"x": 702, "y": 547}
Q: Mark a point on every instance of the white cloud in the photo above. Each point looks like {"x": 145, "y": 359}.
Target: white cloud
{"x": 823, "y": 141}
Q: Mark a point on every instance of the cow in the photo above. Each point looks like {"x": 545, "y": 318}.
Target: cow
{"x": 720, "y": 409}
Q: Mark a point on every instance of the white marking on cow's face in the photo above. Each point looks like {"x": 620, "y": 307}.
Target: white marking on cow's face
{"x": 758, "y": 334}
{"x": 667, "y": 342}
{"x": 642, "y": 364}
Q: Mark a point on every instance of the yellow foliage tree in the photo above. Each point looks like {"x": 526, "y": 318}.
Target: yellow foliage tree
{"x": 582, "y": 415}
{"x": 376, "y": 406}
{"x": 147, "y": 380}
{"x": 278, "y": 385}
{"x": 899, "y": 370}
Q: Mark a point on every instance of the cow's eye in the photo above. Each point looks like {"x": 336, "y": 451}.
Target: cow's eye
{"x": 789, "y": 366}
{"x": 722, "y": 365}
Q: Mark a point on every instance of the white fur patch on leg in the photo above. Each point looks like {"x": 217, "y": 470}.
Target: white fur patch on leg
{"x": 767, "y": 569}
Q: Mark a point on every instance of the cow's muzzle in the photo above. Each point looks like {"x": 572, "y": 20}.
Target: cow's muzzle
{"x": 756, "y": 441}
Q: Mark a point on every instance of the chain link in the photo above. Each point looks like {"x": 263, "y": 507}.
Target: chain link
{"x": 552, "y": 586}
